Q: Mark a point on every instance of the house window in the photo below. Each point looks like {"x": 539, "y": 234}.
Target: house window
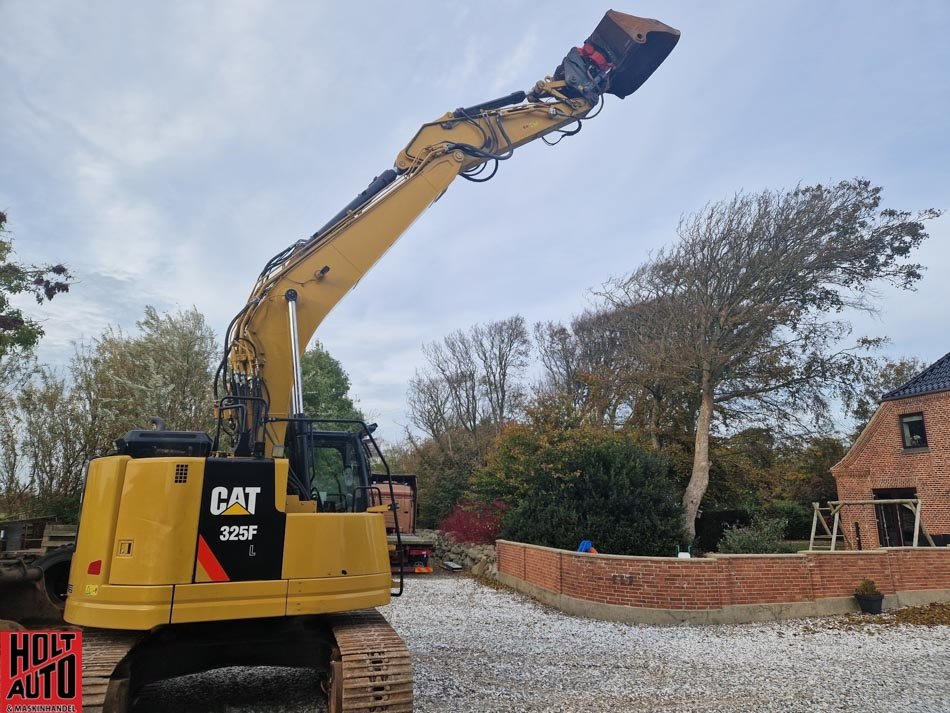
{"x": 912, "y": 429}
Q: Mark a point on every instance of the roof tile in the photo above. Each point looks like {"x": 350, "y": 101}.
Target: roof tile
{"x": 934, "y": 378}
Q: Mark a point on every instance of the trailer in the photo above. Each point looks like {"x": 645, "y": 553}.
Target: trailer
{"x": 408, "y": 552}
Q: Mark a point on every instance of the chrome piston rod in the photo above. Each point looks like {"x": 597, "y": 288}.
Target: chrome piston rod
{"x": 297, "y": 391}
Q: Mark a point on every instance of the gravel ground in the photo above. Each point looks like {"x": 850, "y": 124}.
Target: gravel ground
{"x": 479, "y": 649}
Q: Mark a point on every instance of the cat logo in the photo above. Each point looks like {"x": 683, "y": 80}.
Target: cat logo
{"x": 234, "y": 501}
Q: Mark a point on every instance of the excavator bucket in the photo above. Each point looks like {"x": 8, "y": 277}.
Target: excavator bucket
{"x": 634, "y": 46}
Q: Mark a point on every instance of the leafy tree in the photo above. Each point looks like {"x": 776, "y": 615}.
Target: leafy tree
{"x": 743, "y": 470}
{"x": 115, "y": 384}
{"x": 808, "y": 476}
{"x": 14, "y": 489}
{"x": 326, "y": 387}
{"x": 165, "y": 370}
{"x": 761, "y": 473}
{"x": 43, "y": 282}
{"x": 886, "y": 375}
{"x": 741, "y": 310}
{"x": 56, "y": 440}
{"x": 19, "y": 336}
{"x": 18, "y": 333}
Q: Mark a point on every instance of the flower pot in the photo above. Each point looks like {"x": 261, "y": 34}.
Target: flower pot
{"x": 870, "y": 603}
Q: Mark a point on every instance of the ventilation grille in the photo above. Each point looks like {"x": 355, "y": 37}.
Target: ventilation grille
{"x": 181, "y": 473}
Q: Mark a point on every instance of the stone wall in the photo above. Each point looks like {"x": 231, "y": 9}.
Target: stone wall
{"x": 480, "y": 560}
{"x": 720, "y": 588}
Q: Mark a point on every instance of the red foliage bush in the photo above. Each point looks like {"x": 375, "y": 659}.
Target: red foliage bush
{"x": 478, "y": 523}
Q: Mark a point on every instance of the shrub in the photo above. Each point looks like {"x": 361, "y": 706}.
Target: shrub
{"x": 867, "y": 588}
{"x": 577, "y": 484}
{"x": 797, "y": 518}
{"x": 478, "y": 523}
{"x": 712, "y": 524}
{"x": 763, "y": 536}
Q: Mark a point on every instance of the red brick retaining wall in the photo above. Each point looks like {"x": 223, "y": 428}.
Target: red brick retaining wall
{"x": 721, "y": 580}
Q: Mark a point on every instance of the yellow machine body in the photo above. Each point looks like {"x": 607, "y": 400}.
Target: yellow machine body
{"x": 160, "y": 544}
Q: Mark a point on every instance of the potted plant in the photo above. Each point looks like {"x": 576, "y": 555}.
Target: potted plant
{"x": 869, "y": 597}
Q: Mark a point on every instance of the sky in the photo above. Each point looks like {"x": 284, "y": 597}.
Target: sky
{"x": 165, "y": 150}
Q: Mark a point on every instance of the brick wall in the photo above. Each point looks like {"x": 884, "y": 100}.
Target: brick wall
{"x": 878, "y": 460}
{"x": 722, "y": 580}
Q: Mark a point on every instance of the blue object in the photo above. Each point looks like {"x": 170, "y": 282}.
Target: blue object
{"x": 585, "y": 546}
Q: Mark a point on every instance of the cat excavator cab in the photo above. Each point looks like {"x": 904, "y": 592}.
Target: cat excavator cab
{"x": 266, "y": 543}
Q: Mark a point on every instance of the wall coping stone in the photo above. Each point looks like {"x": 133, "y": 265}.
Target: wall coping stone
{"x": 601, "y": 555}
{"x": 712, "y": 556}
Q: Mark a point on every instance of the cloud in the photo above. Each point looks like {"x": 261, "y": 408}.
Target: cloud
{"x": 165, "y": 151}
{"x": 510, "y": 70}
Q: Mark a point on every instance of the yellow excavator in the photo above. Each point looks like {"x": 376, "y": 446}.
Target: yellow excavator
{"x": 265, "y": 543}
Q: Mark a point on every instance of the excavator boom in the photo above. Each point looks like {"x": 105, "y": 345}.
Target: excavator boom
{"x": 301, "y": 285}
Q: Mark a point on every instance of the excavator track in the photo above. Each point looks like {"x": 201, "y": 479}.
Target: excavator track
{"x": 104, "y": 688}
{"x": 371, "y": 671}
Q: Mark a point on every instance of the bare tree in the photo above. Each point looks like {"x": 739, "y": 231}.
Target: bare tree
{"x": 583, "y": 362}
{"x": 502, "y": 349}
{"x": 454, "y": 361}
{"x": 472, "y": 386}
{"x": 607, "y": 369}
{"x": 559, "y": 353}
{"x": 591, "y": 363}
{"x": 429, "y": 406}
{"x": 740, "y": 310}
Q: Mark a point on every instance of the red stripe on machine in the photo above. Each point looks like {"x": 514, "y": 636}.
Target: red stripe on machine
{"x": 210, "y": 563}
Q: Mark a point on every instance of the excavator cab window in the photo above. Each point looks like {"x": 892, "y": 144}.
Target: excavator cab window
{"x": 333, "y": 468}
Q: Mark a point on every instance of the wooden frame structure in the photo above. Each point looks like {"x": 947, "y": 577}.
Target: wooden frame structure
{"x": 834, "y": 509}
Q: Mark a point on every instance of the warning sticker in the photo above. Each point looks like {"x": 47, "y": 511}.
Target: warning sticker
{"x": 40, "y": 671}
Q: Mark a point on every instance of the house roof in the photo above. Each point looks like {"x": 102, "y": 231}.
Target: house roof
{"x": 934, "y": 378}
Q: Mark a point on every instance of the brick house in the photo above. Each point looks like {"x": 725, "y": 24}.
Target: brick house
{"x": 904, "y": 452}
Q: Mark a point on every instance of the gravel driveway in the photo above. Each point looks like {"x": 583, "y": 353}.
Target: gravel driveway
{"x": 479, "y": 649}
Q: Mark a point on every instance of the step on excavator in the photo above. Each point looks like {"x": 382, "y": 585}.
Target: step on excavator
{"x": 265, "y": 542}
